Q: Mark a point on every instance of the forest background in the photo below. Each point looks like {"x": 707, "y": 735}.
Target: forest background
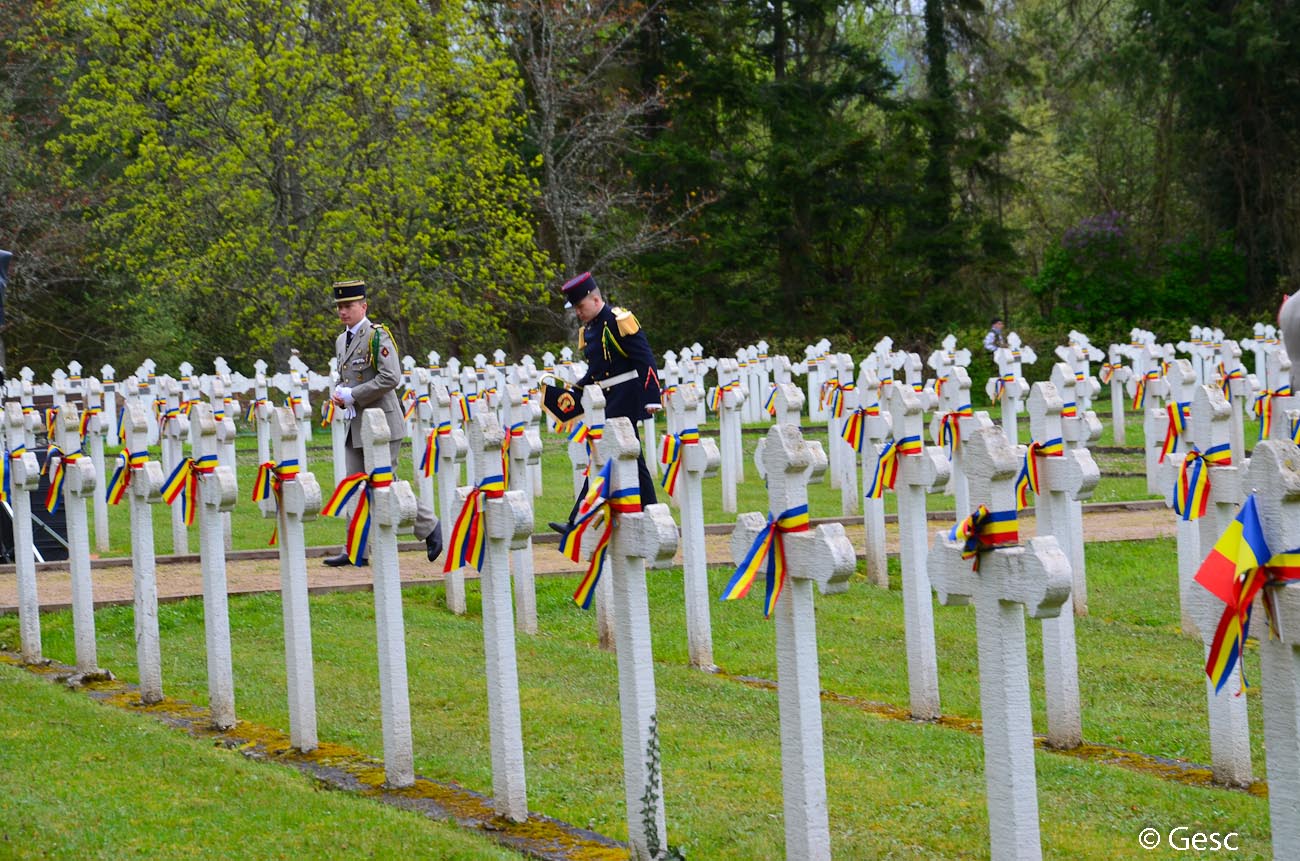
{"x": 182, "y": 179}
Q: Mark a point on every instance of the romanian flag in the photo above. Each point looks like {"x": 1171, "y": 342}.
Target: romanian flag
{"x": 1232, "y": 574}
{"x": 597, "y": 486}
{"x": 327, "y": 410}
{"x": 183, "y": 483}
{"x": 767, "y": 554}
{"x": 586, "y": 591}
{"x": 1264, "y": 412}
{"x": 1192, "y": 492}
{"x": 121, "y": 478}
{"x": 1024, "y": 482}
{"x": 950, "y": 428}
{"x": 885, "y": 474}
{"x": 671, "y": 456}
{"x": 985, "y": 530}
{"x": 770, "y": 404}
{"x": 1069, "y": 410}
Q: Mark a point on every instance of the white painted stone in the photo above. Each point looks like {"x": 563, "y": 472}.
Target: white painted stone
{"x": 1077, "y": 431}
{"x": 24, "y": 477}
{"x": 174, "y": 429}
{"x": 143, "y": 492}
{"x": 925, "y": 471}
{"x": 875, "y": 429}
{"x": 699, "y": 459}
{"x": 298, "y": 500}
{"x": 524, "y": 451}
{"x": 1037, "y": 576}
{"x": 825, "y": 557}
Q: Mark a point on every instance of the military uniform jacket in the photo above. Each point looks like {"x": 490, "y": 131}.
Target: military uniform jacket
{"x": 613, "y": 344}
{"x": 370, "y": 367}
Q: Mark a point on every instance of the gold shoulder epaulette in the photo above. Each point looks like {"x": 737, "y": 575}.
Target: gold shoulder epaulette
{"x": 627, "y": 324}
{"x": 582, "y": 337}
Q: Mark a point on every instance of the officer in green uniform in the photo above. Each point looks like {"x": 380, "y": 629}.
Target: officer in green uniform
{"x": 369, "y": 372}
{"x": 619, "y": 360}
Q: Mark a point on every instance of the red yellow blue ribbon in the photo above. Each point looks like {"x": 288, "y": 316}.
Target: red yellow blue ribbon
{"x": 1178, "y": 414}
{"x": 1140, "y": 388}
{"x": 1029, "y": 481}
{"x": 985, "y": 530}
{"x": 183, "y": 484}
{"x": 885, "y": 475}
{"x": 327, "y": 411}
{"x": 270, "y": 477}
{"x": 1264, "y": 412}
{"x": 767, "y": 554}
{"x": 950, "y": 428}
{"x": 910, "y": 445}
{"x": 127, "y": 464}
{"x": 469, "y": 535}
{"x": 1107, "y": 372}
{"x": 1192, "y": 491}
{"x": 362, "y": 486}
{"x": 671, "y": 456}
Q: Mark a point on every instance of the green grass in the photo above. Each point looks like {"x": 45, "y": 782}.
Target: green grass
{"x": 80, "y": 780}
{"x": 897, "y": 790}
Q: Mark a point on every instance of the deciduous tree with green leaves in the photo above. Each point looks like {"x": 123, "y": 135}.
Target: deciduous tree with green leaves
{"x": 260, "y": 149}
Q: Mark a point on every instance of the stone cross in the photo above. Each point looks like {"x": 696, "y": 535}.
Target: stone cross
{"x": 300, "y": 401}
{"x": 815, "y": 371}
{"x": 224, "y": 435}
{"x": 954, "y": 420}
{"x": 1077, "y": 354}
{"x": 922, "y": 469}
{"x": 825, "y": 557}
{"x": 450, "y": 447}
{"x": 1230, "y": 376}
{"x": 943, "y": 360}
{"x": 298, "y": 499}
{"x": 175, "y": 428}
{"x": 392, "y": 510}
{"x": 107, "y": 375}
{"x": 1228, "y": 720}
{"x": 1036, "y": 576}
{"x": 24, "y": 477}
{"x": 1063, "y": 476}
{"x": 78, "y": 483}
{"x": 1115, "y": 374}
{"x": 875, "y": 428}
{"x": 1077, "y": 431}
{"x": 698, "y": 458}
{"x": 524, "y": 451}
{"x": 639, "y": 537}
{"x": 763, "y": 378}
{"x": 730, "y": 444}
{"x": 788, "y": 401}
{"x": 1009, "y": 387}
{"x": 1274, "y": 478}
{"x": 218, "y": 491}
{"x": 593, "y": 406}
{"x": 94, "y": 440}
{"x": 508, "y": 520}
{"x": 261, "y": 411}
{"x": 913, "y": 369}
{"x": 144, "y": 492}
{"x": 421, "y": 426}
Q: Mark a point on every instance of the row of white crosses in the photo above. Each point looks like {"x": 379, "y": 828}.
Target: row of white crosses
{"x": 1009, "y": 388}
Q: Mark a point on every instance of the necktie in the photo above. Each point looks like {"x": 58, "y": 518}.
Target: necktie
{"x": 349, "y": 341}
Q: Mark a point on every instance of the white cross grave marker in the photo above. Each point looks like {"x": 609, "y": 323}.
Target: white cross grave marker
{"x": 1036, "y": 576}
{"x": 824, "y": 557}
{"x": 144, "y": 491}
{"x": 78, "y": 482}
{"x": 24, "y": 477}
{"x": 449, "y": 449}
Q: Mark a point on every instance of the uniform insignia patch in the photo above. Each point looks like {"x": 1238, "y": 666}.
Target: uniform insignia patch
{"x": 384, "y": 352}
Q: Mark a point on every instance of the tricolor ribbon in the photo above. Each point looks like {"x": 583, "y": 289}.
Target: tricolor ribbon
{"x": 327, "y": 410}
{"x": 770, "y": 404}
{"x": 360, "y": 485}
{"x": 270, "y": 477}
{"x": 127, "y": 464}
{"x": 1107, "y": 372}
{"x": 767, "y": 554}
{"x": 86, "y": 416}
{"x": 985, "y": 530}
{"x": 1178, "y": 414}
{"x": 885, "y": 475}
{"x": 1000, "y": 385}
{"x": 250, "y": 415}
{"x": 671, "y": 456}
{"x": 950, "y": 428}
{"x": 432, "y": 460}
{"x": 1140, "y": 388}
{"x": 1192, "y": 490}
{"x": 1228, "y": 378}
{"x": 1264, "y": 411}
{"x": 51, "y": 422}
{"x": 54, "y": 495}
{"x": 183, "y": 483}
{"x": 1029, "y": 481}
{"x": 515, "y": 430}
{"x": 469, "y": 535}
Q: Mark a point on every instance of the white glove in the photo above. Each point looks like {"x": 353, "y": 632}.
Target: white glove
{"x": 349, "y": 414}
{"x": 344, "y": 393}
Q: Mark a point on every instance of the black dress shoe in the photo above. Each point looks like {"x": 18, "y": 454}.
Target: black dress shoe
{"x": 433, "y": 544}
{"x": 342, "y": 559}
{"x": 562, "y": 528}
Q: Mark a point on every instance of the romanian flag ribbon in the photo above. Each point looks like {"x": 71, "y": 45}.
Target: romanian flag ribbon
{"x": 985, "y": 530}
{"x": 54, "y": 495}
{"x": 1028, "y": 481}
{"x": 469, "y": 535}
{"x": 1192, "y": 492}
{"x": 1264, "y": 412}
{"x": 1228, "y": 377}
{"x": 770, "y": 404}
{"x": 767, "y": 554}
{"x": 1107, "y": 372}
{"x": 1140, "y": 388}
{"x": 270, "y": 476}
{"x": 86, "y": 416}
{"x": 127, "y": 463}
{"x": 885, "y": 475}
{"x": 671, "y": 456}
{"x": 852, "y": 432}
{"x": 327, "y": 410}
{"x": 910, "y": 445}
{"x": 410, "y": 400}
{"x": 183, "y": 483}
{"x": 1069, "y": 410}
{"x": 361, "y": 485}
{"x": 1178, "y": 415}
{"x": 950, "y": 428}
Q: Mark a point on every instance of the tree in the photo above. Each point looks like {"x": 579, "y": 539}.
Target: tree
{"x": 259, "y": 150}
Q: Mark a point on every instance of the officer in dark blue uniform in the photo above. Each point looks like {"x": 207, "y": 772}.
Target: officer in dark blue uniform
{"x": 619, "y": 360}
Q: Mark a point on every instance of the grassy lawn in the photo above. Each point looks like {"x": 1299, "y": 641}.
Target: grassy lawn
{"x": 897, "y": 789}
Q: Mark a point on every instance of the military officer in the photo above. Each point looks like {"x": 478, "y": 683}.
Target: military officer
{"x": 619, "y": 360}
{"x": 369, "y": 371}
